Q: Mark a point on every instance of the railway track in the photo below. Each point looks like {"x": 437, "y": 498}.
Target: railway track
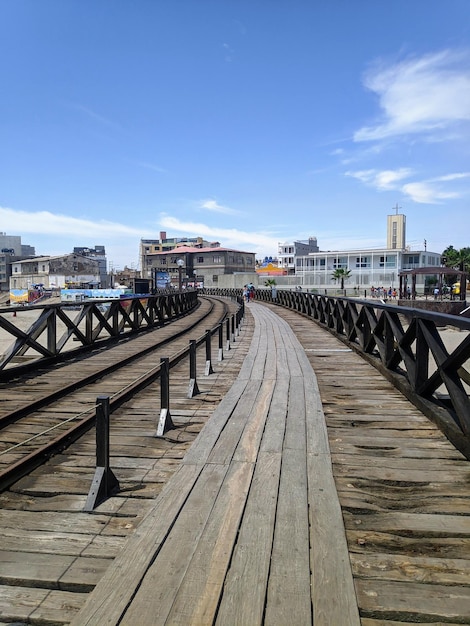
{"x": 42, "y": 414}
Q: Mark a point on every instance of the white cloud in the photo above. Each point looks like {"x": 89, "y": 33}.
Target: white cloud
{"x": 456, "y": 176}
{"x": 212, "y": 205}
{"x": 382, "y": 180}
{"x": 263, "y": 243}
{"x": 46, "y": 223}
{"x": 419, "y": 94}
{"x": 426, "y": 193}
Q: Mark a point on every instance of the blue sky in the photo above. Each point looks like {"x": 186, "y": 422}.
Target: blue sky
{"x": 249, "y": 122}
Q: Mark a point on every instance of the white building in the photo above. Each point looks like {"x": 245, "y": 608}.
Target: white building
{"x": 370, "y": 267}
{"x": 373, "y": 267}
{"x": 289, "y": 251}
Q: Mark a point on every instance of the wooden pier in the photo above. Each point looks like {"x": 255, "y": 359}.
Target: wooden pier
{"x": 319, "y": 498}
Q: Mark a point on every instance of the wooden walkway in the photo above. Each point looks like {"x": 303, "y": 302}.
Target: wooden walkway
{"x": 295, "y": 506}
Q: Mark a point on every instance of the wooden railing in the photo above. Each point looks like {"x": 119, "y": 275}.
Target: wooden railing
{"x": 49, "y": 331}
{"x": 424, "y": 354}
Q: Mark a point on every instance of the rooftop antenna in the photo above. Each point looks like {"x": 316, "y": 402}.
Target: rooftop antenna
{"x": 397, "y": 208}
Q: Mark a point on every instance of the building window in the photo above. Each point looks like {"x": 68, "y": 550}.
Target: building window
{"x": 388, "y": 261}
{"x": 163, "y": 261}
{"x": 362, "y": 261}
{"x": 200, "y": 259}
{"x": 231, "y": 259}
{"x": 340, "y": 263}
{"x": 215, "y": 278}
{"x": 249, "y": 260}
{"x": 217, "y": 259}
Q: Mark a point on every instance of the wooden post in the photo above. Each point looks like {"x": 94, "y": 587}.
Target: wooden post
{"x": 193, "y": 388}
{"x": 221, "y": 342}
{"x": 105, "y": 483}
{"x": 227, "y": 328}
{"x": 164, "y": 422}
{"x": 208, "y": 369}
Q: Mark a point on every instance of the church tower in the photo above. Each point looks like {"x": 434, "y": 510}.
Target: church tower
{"x": 396, "y": 231}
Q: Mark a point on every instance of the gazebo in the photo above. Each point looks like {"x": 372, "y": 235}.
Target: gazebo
{"x": 440, "y": 272}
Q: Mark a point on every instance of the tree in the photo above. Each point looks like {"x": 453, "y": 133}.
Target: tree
{"x": 270, "y": 282}
{"x": 341, "y": 274}
{"x": 457, "y": 259}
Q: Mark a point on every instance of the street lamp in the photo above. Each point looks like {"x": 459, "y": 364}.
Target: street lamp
{"x": 180, "y": 264}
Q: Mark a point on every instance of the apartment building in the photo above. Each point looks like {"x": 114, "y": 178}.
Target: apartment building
{"x": 151, "y": 247}
{"x": 201, "y": 266}
{"x": 289, "y": 251}
{"x": 68, "y": 270}
{"x": 373, "y": 267}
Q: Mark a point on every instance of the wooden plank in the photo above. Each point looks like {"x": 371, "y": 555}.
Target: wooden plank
{"x": 227, "y": 442}
{"x": 155, "y": 596}
{"x": 58, "y": 607}
{"x": 288, "y": 598}
{"x": 406, "y": 567}
{"x": 413, "y": 601}
{"x": 334, "y": 598}
{"x": 18, "y": 603}
{"x": 113, "y": 592}
{"x": 404, "y": 522}
{"x": 248, "y": 445}
{"x": 197, "y": 598}
{"x": 202, "y": 446}
{"x": 243, "y": 597}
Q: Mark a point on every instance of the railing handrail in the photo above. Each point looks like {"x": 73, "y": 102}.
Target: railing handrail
{"x": 403, "y": 343}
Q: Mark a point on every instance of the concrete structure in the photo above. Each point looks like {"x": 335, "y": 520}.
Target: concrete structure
{"x": 368, "y": 267}
{"x": 202, "y": 266}
{"x": 396, "y": 231}
{"x": 11, "y": 249}
{"x": 372, "y": 267}
{"x": 289, "y": 251}
{"x": 69, "y": 270}
{"x": 99, "y": 254}
{"x": 151, "y": 247}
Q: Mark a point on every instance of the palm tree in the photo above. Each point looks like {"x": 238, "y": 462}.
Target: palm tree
{"x": 457, "y": 259}
{"x": 341, "y": 274}
{"x": 270, "y": 282}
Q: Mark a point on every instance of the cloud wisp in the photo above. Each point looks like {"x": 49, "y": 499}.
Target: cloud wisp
{"x": 428, "y": 191}
{"x": 419, "y": 95}
{"x": 382, "y": 180}
{"x": 230, "y": 237}
{"x": 52, "y": 224}
{"x": 214, "y": 206}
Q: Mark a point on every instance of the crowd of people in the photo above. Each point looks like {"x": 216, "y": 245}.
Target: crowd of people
{"x": 383, "y": 292}
{"x": 248, "y": 292}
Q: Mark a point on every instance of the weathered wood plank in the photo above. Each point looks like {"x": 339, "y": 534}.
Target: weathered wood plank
{"x": 113, "y": 592}
{"x": 244, "y": 593}
{"x": 197, "y": 598}
{"x": 288, "y": 599}
{"x": 156, "y": 594}
{"x": 407, "y": 601}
